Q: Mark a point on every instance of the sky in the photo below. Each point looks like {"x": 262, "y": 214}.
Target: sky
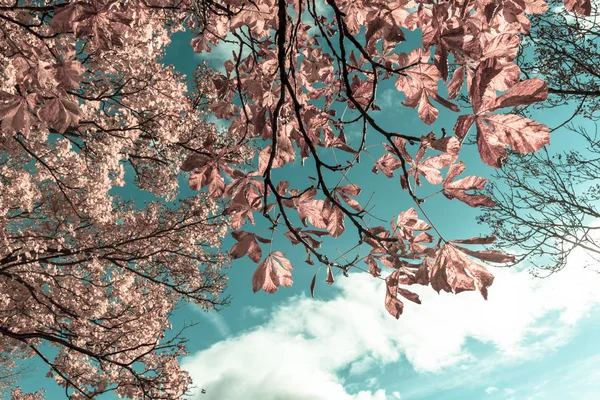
{"x": 532, "y": 339}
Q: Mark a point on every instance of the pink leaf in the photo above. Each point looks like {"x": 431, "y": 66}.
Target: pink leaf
{"x": 484, "y": 74}
{"x": 463, "y": 124}
{"x": 352, "y": 203}
{"x": 60, "y": 113}
{"x": 392, "y": 304}
{"x": 272, "y": 273}
{"x": 14, "y": 113}
{"x": 335, "y": 222}
{"x": 373, "y": 268}
{"x": 583, "y": 7}
{"x": 500, "y": 46}
{"x": 313, "y": 211}
{"x": 535, "y": 6}
{"x": 454, "y": 271}
{"x": 349, "y": 190}
{"x": 407, "y": 294}
{"x": 491, "y": 150}
{"x": 329, "y": 279}
{"x": 387, "y": 164}
{"x": 476, "y": 240}
{"x": 456, "y": 82}
{"x": 427, "y": 112}
{"x": 523, "y": 93}
{"x": 488, "y": 255}
{"x": 522, "y": 134}
{"x": 194, "y": 161}
{"x": 457, "y": 189}
{"x": 246, "y": 244}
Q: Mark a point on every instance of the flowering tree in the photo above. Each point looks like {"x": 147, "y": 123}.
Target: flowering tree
{"x": 84, "y": 101}
{"x": 306, "y": 73}
{"x": 86, "y": 107}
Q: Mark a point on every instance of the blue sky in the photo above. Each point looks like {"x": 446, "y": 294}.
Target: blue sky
{"x": 533, "y": 339}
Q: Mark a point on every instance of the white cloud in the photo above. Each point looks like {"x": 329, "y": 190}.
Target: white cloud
{"x": 372, "y": 382}
{"x": 491, "y": 390}
{"x": 299, "y": 353}
{"x": 254, "y": 311}
{"x": 578, "y": 379}
{"x": 509, "y": 391}
{"x": 396, "y": 395}
{"x": 216, "y": 320}
{"x": 540, "y": 385}
{"x": 361, "y": 366}
{"x": 390, "y": 99}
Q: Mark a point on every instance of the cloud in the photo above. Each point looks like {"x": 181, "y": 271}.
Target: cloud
{"x": 396, "y": 395}
{"x": 303, "y": 349}
{"x": 289, "y": 357}
{"x": 578, "y": 379}
{"x": 491, "y": 390}
{"x": 509, "y": 391}
{"x": 254, "y": 311}
{"x": 216, "y": 320}
{"x": 540, "y": 385}
{"x": 390, "y": 99}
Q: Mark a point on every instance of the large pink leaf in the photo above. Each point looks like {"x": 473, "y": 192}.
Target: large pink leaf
{"x": 583, "y": 7}
{"x": 335, "y": 222}
{"x": 463, "y": 124}
{"x": 216, "y": 183}
{"x": 349, "y": 190}
{"x": 194, "y": 161}
{"x": 454, "y": 271}
{"x": 329, "y": 278}
{"x": 488, "y": 255}
{"x": 68, "y": 74}
{"x": 491, "y": 150}
{"x": 430, "y": 168}
{"x": 458, "y": 189}
{"x": 535, "y": 6}
{"x": 272, "y": 273}
{"x": 427, "y": 112}
{"x": 522, "y": 134}
{"x": 14, "y": 112}
{"x": 500, "y": 46}
{"x": 527, "y": 92}
{"x": 387, "y": 164}
{"x": 407, "y": 294}
{"x": 456, "y": 82}
{"x": 480, "y": 86}
{"x": 60, "y": 113}
{"x": 313, "y": 211}
{"x": 247, "y": 244}
{"x": 476, "y": 240}
{"x": 352, "y": 203}
{"x": 373, "y": 267}
{"x": 410, "y": 220}
{"x": 392, "y": 304}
